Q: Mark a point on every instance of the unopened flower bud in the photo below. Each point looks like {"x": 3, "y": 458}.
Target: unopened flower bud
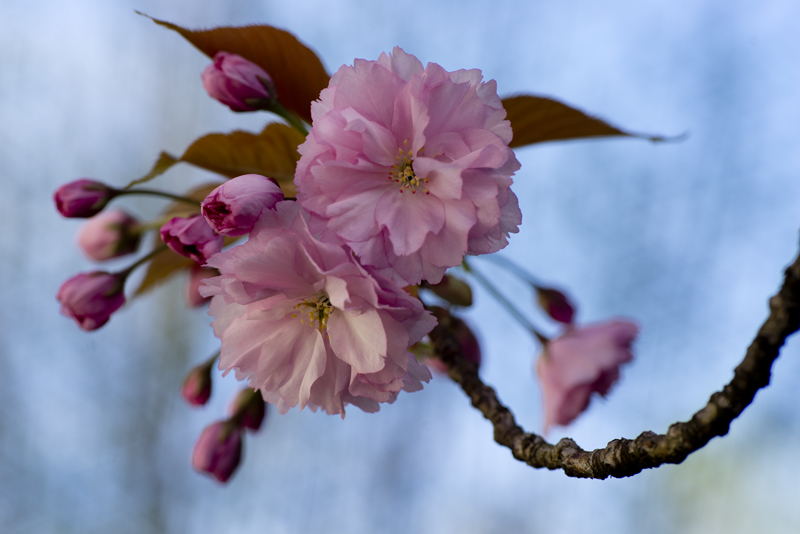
{"x": 233, "y": 208}
{"x": 192, "y": 237}
{"x": 109, "y": 234}
{"x": 556, "y": 304}
{"x": 250, "y": 408}
{"x": 91, "y": 298}
{"x": 218, "y": 451}
{"x": 233, "y": 80}
{"x": 83, "y": 198}
{"x": 196, "y": 388}
{"x": 192, "y": 294}
{"x": 453, "y": 290}
{"x": 470, "y": 348}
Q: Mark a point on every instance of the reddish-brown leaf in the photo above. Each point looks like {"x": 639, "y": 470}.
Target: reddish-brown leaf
{"x": 537, "y": 119}
{"x": 164, "y": 162}
{"x": 271, "y": 153}
{"x": 296, "y": 70}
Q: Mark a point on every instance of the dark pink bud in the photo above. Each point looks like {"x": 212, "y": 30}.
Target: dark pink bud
{"x": 109, "y": 234}
{"x": 233, "y": 208}
{"x": 233, "y": 80}
{"x": 83, "y": 198}
{"x": 555, "y": 304}
{"x": 192, "y": 237}
{"x": 453, "y": 290}
{"x": 218, "y": 451}
{"x": 91, "y": 298}
{"x": 470, "y": 348}
{"x": 249, "y": 408}
{"x": 196, "y": 388}
{"x": 192, "y": 294}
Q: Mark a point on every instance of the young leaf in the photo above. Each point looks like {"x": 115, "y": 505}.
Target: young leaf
{"x": 168, "y": 263}
{"x": 298, "y": 73}
{"x": 161, "y": 267}
{"x": 271, "y": 153}
{"x": 537, "y": 119}
{"x": 165, "y": 161}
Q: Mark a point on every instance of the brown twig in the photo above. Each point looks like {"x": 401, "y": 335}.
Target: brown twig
{"x": 627, "y": 457}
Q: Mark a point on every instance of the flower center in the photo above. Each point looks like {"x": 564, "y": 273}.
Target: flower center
{"x": 318, "y": 308}
{"x": 403, "y": 172}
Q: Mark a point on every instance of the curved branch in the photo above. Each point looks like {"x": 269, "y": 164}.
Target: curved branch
{"x": 627, "y": 457}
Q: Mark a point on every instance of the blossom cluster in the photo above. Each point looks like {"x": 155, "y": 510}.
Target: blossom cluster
{"x": 406, "y": 170}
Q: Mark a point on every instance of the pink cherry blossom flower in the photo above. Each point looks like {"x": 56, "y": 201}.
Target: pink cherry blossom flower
{"x": 83, "y": 198}
{"x": 410, "y": 166}
{"x": 583, "y": 361}
{"x": 91, "y": 298}
{"x": 191, "y": 294}
{"x": 218, "y": 450}
{"x": 192, "y": 237}
{"x": 109, "y": 234}
{"x": 233, "y": 208}
{"x": 306, "y": 325}
{"x": 233, "y": 80}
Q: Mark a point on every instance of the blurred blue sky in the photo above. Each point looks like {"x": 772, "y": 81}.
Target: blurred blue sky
{"x": 688, "y": 238}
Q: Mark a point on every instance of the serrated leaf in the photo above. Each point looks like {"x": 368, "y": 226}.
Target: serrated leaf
{"x": 296, "y": 70}
{"x": 271, "y": 153}
{"x": 168, "y": 263}
{"x": 164, "y": 162}
{"x": 537, "y": 119}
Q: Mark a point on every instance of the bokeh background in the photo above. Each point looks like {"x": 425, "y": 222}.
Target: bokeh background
{"x": 688, "y": 238}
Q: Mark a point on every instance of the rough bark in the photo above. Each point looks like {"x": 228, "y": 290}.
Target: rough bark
{"x": 626, "y": 457}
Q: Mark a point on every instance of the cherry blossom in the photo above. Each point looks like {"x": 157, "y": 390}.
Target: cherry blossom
{"x": 307, "y": 325}
{"x": 410, "y": 166}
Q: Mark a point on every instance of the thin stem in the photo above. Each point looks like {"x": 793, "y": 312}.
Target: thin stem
{"x": 507, "y": 304}
{"x": 152, "y": 225}
{"x": 513, "y": 268}
{"x": 147, "y": 258}
{"x": 278, "y": 109}
{"x": 156, "y": 193}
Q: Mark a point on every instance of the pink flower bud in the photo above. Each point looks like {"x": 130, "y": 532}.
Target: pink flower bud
{"x": 91, "y": 298}
{"x": 233, "y": 80}
{"x": 233, "y": 208}
{"x": 579, "y": 363}
{"x": 249, "y": 406}
{"x": 83, "y": 198}
{"x": 453, "y": 290}
{"x": 192, "y": 295}
{"x": 109, "y": 234}
{"x": 196, "y": 388}
{"x": 218, "y": 451}
{"x": 556, "y": 304}
{"x": 191, "y": 237}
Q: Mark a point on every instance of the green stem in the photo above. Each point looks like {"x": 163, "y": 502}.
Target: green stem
{"x": 147, "y": 258}
{"x": 513, "y": 268}
{"x": 507, "y": 304}
{"x": 278, "y": 109}
{"x": 155, "y": 193}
